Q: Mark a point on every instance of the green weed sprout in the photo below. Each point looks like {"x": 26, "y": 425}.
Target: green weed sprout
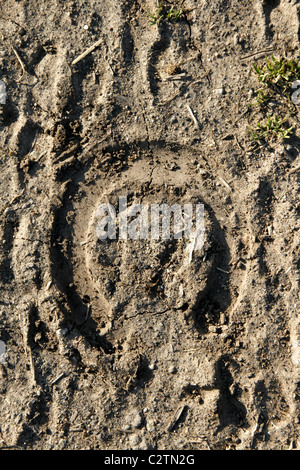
{"x": 272, "y": 128}
{"x": 156, "y": 17}
{"x": 278, "y": 74}
{"x": 174, "y": 15}
{"x": 262, "y": 98}
{"x": 162, "y": 13}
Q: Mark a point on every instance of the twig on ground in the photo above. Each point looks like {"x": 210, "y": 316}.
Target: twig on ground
{"x": 176, "y": 418}
{"x": 193, "y": 116}
{"x": 20, "y": 62}
{"x": 17, "y": 197}
{"x": 225, "y": 183}
{"x": 223, "y": 271}
{"x": 57, "y": 379}
{"x": 13, "y": 21}
{"x": 257, "y": 53}
{"x": 87, "y": 52}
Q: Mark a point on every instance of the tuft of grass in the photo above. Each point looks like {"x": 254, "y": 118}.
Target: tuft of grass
{"x": 155, "y": 18}
{"x": 174, "y": 14}
{"x": 278, "y": 74}
{"x": 276, "y": 77}
{"x": 262, "y": 98}
{"x": 164, "y": 13}
{"x": 273, "y": 128}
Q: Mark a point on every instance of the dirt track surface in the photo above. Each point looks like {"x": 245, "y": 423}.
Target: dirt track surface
{"x": 125, "y": 345}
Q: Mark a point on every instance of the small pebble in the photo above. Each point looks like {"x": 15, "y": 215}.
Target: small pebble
{"x": 212, "y": 329}
{"x": 172, "y": 370}
{"x": 236, "y": 39}
{"x": 150, "y": 425}
{"x": 134, "y": 439}
{"x": 219, "y": 91}
{"x": 136, "y": 420}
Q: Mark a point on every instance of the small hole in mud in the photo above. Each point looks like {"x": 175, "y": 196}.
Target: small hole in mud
{"x": 86, "y": 299}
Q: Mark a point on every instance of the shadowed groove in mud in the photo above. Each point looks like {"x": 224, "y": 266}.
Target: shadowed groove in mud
{"x": 268, "y": 7}
{"x": 230, "y": 410}
{"x": 216, "y": 298}
{"x": 62, "y": 273}
{"x": 10, "y": 226}
{"x": 161, "y": 45}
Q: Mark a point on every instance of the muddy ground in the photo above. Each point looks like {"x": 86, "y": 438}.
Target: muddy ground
{"x": 127, "y": 344}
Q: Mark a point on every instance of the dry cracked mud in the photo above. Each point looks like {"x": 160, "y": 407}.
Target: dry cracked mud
{"x": 105, "y": 343}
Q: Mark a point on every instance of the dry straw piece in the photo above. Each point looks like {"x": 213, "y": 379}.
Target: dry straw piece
{"x": 87, "y": 52}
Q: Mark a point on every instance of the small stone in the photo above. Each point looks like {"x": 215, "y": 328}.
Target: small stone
{"x": 172, "y": 370}
{"x": 202, "y": 171}
{"x": 236, "y": 39}
{"x": 222, "y": 318}
{"x": 171, "y": 166}
{"x": 143, "y": 445}
{"x": 212, "y": 329}
{"x": 61, "y": 332}
{"x": 219, "y": 91}
{"x": 134, "y": 439}
{"x": 136, "y": 420}
{"x": 150, "y": 425}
